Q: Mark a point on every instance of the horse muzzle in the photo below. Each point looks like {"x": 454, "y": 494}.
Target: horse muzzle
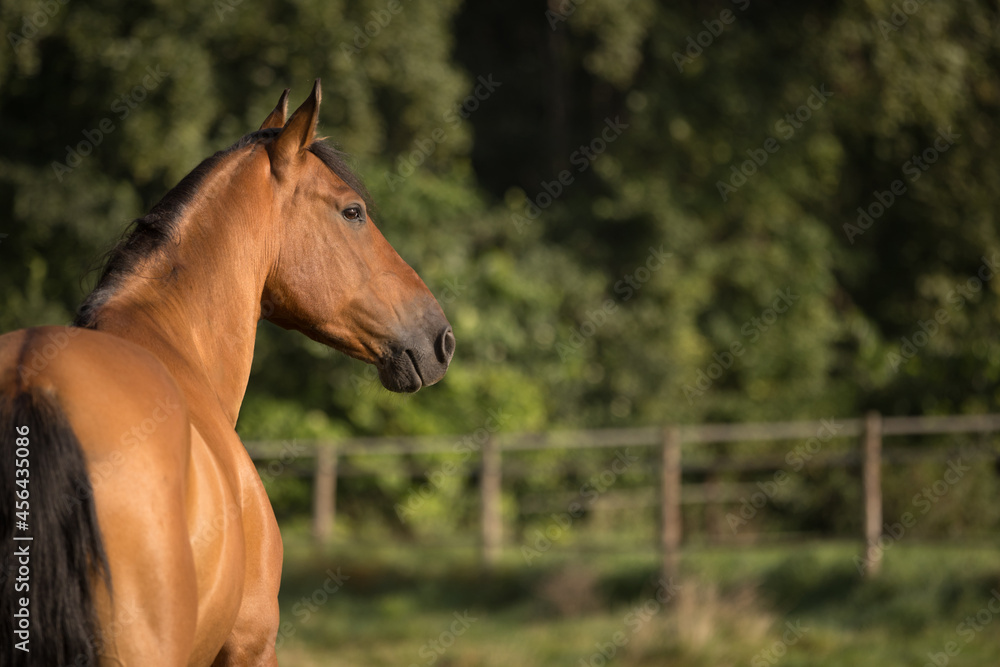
{"x": 417, "y": 361}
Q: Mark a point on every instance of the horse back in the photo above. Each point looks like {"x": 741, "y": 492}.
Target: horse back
{"x": 120, "y": 399}
{"x": 127, "y": 419}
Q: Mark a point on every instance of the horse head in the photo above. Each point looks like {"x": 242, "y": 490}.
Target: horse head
{"x": 335, "y": 277}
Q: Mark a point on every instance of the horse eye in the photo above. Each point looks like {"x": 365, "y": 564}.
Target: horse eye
{"x": 353, "y": 213}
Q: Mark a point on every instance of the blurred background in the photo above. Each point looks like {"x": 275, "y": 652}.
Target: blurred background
{"x": 635, "y": 214}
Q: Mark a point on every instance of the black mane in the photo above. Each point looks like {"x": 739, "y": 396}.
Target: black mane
{"x": 146, "y": 235}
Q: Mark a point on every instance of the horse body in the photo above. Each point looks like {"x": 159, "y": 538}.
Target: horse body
{"x": 151, "y": 385}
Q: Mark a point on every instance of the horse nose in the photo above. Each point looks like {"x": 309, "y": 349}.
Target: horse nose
{"x": 444, "y": 346}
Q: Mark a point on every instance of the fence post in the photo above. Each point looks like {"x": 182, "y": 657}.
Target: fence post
{"x": 670, "y": 501}
{"x": 713, "y": 513}
{"x": 324, "y": 494}
{"x": 872, "y": 476}
{"x": 491, "y": 520}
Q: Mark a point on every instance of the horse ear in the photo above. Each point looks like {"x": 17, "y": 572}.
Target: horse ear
{"x": 299, "y": 131}
{"x": 277, "y": 117}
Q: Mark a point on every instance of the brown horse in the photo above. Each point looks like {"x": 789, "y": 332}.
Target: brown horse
{"x": 147, "y": 538}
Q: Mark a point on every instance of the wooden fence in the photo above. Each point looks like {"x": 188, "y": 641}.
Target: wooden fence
{"x": 672, "y": 441}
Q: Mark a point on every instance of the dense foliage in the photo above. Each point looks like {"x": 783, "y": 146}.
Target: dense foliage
{"x": 632, "y": 212}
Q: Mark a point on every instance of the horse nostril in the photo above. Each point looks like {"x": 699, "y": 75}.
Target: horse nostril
{"x": 445, "y": 346}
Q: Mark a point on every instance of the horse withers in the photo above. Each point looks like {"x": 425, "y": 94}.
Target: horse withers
{"x": 136, "y": 530}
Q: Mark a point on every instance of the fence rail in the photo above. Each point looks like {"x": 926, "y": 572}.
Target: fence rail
{"x": 671, "y": 440}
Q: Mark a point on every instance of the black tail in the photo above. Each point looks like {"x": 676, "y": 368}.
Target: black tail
{"x": 53, "y": 571}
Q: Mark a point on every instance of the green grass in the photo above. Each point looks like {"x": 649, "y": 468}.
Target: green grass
{"x": 733, "y": 605}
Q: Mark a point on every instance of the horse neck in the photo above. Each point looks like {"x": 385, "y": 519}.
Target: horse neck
{"x": 201, "y": 319}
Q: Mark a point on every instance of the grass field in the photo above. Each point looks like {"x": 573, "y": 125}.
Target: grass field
{"x": 801, "y": 605}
